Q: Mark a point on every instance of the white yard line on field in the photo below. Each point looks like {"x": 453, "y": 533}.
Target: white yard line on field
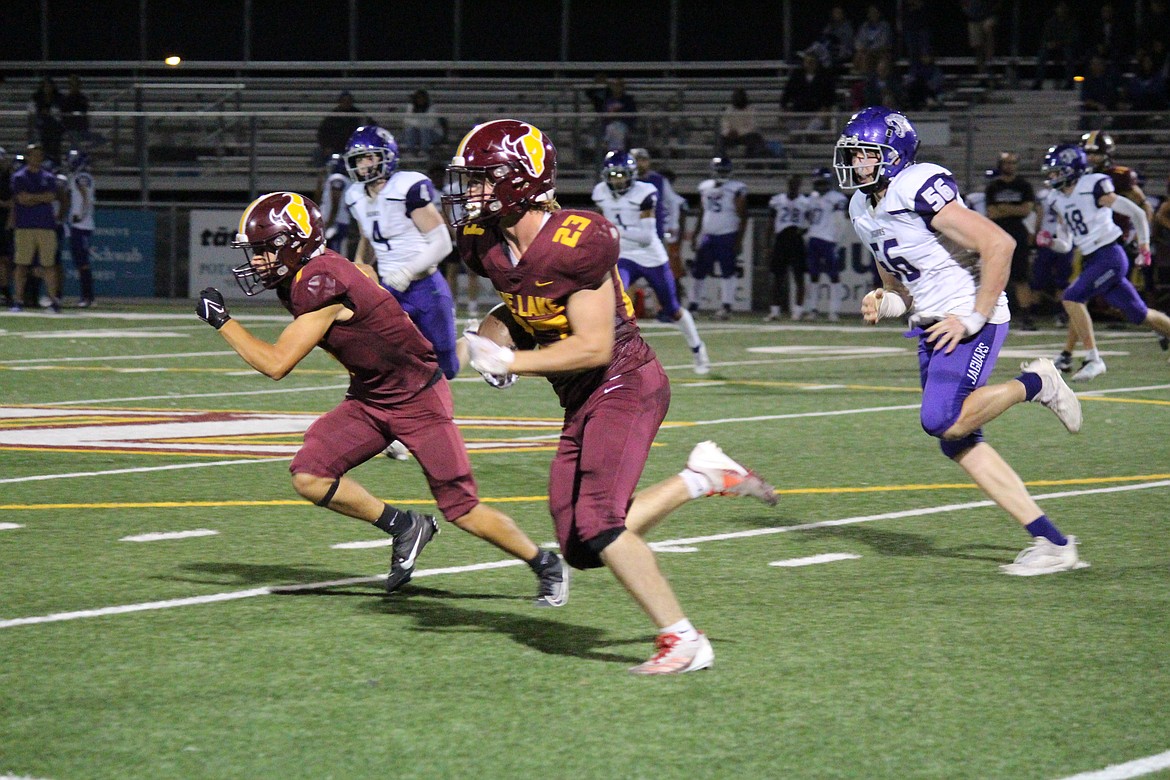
{"x": 161, "y": 536}
{"x": 181, "y": 396}
{"x": 265, "y": 591}
{"x": 1135, "y": 768}
{"x": 140, "y": 470}
{"x": 813, "y": 560}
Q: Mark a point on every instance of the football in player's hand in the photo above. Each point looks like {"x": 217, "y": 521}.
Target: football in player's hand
{"x": 500, "y": 327}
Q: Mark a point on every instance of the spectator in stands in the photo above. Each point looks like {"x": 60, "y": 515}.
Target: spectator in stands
{"x": 1155, "y": 26}
{"x": 738, "y": 128}
{"x": 874, "y": 41}
{"x": 811, "y": 90}
{"x": 1108, "y": 37}
{"x": 1144, "y": 89}
{"x": 838, "y": 36}
{"x": 915, "y": 30}
{"x": 620, "y": 112}
{"x": 982, "y": 17}
{"x": 881, "y": 88}
{"x": 1060, "y": 40}
{"x": 75, "y": 114}
{"x": 1099, "y": 90}
{"x": 337, "y": 126}
{"x": 422, "y": 127}
{"x": 599, "y": 92}
{"x": 45, "y": 115}
{"x": 924, "y": 83}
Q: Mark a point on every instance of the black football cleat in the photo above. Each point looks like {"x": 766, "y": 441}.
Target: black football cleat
{"x": 554, "y": 585}
{"x": 407, "y": 546}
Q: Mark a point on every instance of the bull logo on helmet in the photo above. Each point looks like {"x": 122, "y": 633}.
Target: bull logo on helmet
{"x": 294, "y": 215}
{"x": 529, "y": 148}
{"x": 898, "y": 125}
{"x": 1068, "y": 156}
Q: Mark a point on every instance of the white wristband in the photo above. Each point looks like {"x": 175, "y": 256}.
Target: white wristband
{"x": 973, "y": 322}
{"x": 891, "y": 305}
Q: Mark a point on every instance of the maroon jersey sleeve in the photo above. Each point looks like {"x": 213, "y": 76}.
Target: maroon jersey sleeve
{"x": 1124, "y": 179}
{"x": 593, "y": 244}
{"x": 317, "y": 286}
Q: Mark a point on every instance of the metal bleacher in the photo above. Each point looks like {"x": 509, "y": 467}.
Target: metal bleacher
{"x": 223, "y": 130}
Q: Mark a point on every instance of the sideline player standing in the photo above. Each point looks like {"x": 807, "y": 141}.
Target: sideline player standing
{"x": 555, "y": 269}
{"x": 334, "y": 214}
{"x": 788, "y": 254}
{"x": 405, "y": 234}
{"x": 82, "y": 192}
{"x": 396, "y": 389}
{"x": 631, "y": 206}
{"x": 1086, "y": 203}
{"x": 719, "y": 239}
{"x": 948, "y": 265}
{"x": 825, "y": 213}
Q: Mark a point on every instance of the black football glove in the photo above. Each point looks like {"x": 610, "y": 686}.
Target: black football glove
{"x": 211, "y": 308}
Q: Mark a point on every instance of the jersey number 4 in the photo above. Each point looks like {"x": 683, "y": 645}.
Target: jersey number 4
{"x": 898, "y": 266}
{"x": 377, "y": 237}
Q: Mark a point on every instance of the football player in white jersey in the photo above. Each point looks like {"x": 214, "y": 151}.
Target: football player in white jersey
{"x": 334, "y": 214}
{"x": 948, "y": 266}
{"x": 404, "y": 234}
{"x": 82, "y": 193}
{"x": 1086, "y": 203}
{"x": 631, "y": 206}
{"x": 788, "y": 253}
{"x": 1052, "y": 265}
{"x": 719, "y": 238}
{"x": 826, "y": 211}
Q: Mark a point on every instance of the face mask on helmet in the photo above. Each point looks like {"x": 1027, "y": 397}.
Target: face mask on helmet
{"x": 876, "y": 145}
{"x": 371, "y": 154}
{"x": 501, "y": 168}
{"x": 619, "y": 172}
{"x": 278, "y": 232}
{"x": 721, "y": 168}
{"x": 1064, "y": 165}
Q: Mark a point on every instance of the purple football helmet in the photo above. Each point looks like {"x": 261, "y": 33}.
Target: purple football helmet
{"x": 1064, "y": 164}
{"x": 876, "y": 129}
{"x": 375, "y": 141}
{"x": 619, "y": 172}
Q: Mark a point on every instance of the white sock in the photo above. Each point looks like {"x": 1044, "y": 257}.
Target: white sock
{"x": 698, "y": 485}
{"x": 834, "y": 299}
{"x": 683, "y": 628}
{"x": 728, "y": 291}
{"x": 796, "y": 312}
{"x": 1092, "y": 355}
{"x": 697, "y": 291}
{"x": 686, "y": 324}
{"x": 774, "y": 311}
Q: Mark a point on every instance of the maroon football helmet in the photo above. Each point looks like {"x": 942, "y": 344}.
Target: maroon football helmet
{"x": 286, "y": 227}
{"x": 517, "y": 159}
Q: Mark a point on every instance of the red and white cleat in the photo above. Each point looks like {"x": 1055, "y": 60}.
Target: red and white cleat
{"x": 677, "y": 655}
{"x": 727, "y": 477}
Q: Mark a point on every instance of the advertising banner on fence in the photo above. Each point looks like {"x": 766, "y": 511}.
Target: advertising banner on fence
{"x": 211, "y": 255}
{"x": 121, "y": 254}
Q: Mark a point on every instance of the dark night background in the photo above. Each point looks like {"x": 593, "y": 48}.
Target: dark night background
{"x": 504, "y": 30}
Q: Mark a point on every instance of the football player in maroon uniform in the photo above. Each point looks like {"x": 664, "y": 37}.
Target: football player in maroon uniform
{"x": 396, "y": 390}
{"x": 556, "y": 270}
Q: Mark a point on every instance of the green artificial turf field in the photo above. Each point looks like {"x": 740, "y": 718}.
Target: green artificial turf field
{"x": 909, "y": 656}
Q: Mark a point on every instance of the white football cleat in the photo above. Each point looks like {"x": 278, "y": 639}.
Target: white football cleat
{"x": 397, "y": 451}
{"x": 727, "y": 477}
{"x": 1055, "y": 394}
{"x": 702, "y": 361}
{"x": 676, "y": 655}
{"x": 1090, "y": 369}
{"x": 1044, "y": 557}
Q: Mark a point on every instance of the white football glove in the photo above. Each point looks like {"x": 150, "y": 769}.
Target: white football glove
{"x": 490, "y": 360}
{"x": 397, "y": 277}
{"x": 330, "y": 232}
